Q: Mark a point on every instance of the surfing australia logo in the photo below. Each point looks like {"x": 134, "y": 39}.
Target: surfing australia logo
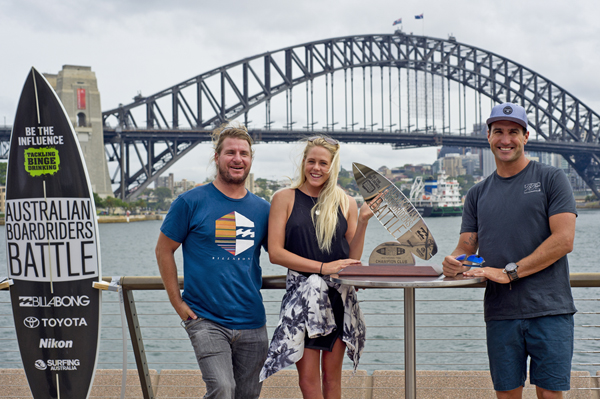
{"x": 57, "y": 364}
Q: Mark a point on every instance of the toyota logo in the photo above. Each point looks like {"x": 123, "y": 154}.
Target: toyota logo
{"x": 31, "y": 322}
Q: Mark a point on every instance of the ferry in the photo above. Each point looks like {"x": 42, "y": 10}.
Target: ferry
{"x": 439, "y": 197}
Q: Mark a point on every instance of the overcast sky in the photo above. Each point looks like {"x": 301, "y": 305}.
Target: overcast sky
{"x": 147, "y": 46}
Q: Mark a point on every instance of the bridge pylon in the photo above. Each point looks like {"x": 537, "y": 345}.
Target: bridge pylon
{"x": 77, "y": 88}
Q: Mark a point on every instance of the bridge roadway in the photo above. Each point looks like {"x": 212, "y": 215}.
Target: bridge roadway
{"x": 396, "y": 139}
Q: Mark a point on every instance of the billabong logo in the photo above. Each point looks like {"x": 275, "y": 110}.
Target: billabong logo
{"x": 507, "y": 110}
{"x": 31, "y": 322}
{"x": 532, "y": 188}
{"x": 234, "y": 233}
{"x": 54, "y": 302}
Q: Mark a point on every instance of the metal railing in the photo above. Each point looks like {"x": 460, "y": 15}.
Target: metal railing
{"x": 451, "y": 349}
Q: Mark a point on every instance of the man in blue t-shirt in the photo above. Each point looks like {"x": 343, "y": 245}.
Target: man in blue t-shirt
{"x": 221, "y": 228}
{"x": 522, "y": 220}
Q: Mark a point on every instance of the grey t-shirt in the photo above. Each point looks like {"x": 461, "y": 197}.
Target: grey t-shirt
{"x": 510, "y": 217}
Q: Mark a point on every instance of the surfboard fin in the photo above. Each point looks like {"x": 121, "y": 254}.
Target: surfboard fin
{"x": 5, "y": 283}
{"x": 112, "y": 286}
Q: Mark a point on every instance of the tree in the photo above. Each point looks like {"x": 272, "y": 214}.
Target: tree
{"x": 111, "y": 203}
{"x": 3, "y": 166}
{"x": 98, "y": 201}
{"x": 344, "y": 173}
{"x": 162, "y": 194}
{"x": 261, "y": 182}
{"x": 465, "y": 182}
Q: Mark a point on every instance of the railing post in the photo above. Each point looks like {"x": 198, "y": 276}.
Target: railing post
{"x": 137, "y": 344}
{"x": 410, "y": 356}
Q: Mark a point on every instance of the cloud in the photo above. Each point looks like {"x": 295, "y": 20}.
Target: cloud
{"x": 149, "y": 46}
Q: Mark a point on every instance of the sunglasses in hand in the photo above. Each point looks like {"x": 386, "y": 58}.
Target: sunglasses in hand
{"x": 476, "y": 261}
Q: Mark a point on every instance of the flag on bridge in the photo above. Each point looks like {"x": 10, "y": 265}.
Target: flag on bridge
{"x": 419, "y": 16}
{"x": 396, "y": 22}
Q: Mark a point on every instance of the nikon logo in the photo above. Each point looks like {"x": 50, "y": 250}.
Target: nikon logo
{"x": 52, "y": 343}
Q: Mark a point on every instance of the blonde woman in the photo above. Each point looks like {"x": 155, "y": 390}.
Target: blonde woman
{"x": 315, "y": 230}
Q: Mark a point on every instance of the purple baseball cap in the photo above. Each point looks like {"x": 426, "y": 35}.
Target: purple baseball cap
{"x": 508, "y": 112}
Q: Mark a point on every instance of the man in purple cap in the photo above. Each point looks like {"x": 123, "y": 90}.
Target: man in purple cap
{"x": 522, "y": 220}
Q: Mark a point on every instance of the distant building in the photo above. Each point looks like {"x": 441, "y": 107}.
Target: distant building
{"x": 250, "y": 183}
{"x": 166, "y": 181}
{"x": 183, "y": 186}
{"x": 471, "y": 163}
{"x": 452, "y": 165}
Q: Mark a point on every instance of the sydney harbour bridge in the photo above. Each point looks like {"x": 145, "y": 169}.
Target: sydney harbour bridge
{"x": 403, "y": 90}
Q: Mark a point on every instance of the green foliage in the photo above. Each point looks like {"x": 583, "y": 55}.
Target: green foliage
{"x": 261, "y": 183}
{"x": 163, "y": 195}
{"x": 465, "y": 182}
{"x": 3, "y": 166}
{"x": 98, "y": 201}
{"x": 345, "y": 181}
{"x": 345, "y": 173}
{"x": 111, "y": 203}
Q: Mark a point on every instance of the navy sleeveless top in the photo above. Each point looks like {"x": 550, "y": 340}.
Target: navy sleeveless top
{"x": 301, "y": 236}
{"x": 301, "y": 239}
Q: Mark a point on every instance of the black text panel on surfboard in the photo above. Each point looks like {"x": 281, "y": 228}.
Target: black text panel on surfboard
{"x": 52, "y": 247}
{"x": 395, "y": 211}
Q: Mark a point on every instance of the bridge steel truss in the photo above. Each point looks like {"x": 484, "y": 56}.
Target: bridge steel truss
{"x": 165, "y": 126}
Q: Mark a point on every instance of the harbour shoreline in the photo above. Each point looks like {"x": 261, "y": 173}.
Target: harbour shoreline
{"x": 120, "y": 218}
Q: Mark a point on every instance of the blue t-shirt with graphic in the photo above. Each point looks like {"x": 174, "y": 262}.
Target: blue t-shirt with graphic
{"x": 221, "y": 240}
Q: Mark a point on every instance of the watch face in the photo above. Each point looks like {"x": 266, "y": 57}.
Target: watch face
{"x": 511, "y": 267}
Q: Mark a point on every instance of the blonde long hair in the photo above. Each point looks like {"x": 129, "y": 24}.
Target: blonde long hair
{"x": 331, "y": 197}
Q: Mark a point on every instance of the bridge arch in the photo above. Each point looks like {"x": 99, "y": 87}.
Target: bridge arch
{"x": 191, "y": 108}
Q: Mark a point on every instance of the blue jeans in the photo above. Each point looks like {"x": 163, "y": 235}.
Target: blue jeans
{"x": 230, "y": 360}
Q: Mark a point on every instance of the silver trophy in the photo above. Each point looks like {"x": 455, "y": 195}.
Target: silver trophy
{"x": 395, "y": 212}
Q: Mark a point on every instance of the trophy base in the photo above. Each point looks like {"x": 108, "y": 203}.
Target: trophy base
{"x": 389, "y": 271}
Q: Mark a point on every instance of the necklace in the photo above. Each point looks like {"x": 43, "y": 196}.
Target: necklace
{"x": 318, "y": 211}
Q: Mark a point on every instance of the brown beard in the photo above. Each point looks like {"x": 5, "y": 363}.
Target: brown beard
{"x": 226, "y": 177}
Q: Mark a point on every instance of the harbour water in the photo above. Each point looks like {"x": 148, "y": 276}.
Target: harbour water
{"x": 450, "y": 327}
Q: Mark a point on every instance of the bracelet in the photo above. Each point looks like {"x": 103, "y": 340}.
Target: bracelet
{"x": 321, "y": 270}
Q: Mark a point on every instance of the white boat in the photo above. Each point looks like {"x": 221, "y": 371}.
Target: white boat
{"x": 439, "y": 197}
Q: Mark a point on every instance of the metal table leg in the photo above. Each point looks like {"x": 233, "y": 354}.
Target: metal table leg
{"x": 410, "y": 363}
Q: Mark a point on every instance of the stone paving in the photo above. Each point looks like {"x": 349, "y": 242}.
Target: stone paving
{"x": 381, "y": 384}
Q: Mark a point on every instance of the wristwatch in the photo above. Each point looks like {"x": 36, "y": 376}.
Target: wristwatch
{"x": 511, "y": 270}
